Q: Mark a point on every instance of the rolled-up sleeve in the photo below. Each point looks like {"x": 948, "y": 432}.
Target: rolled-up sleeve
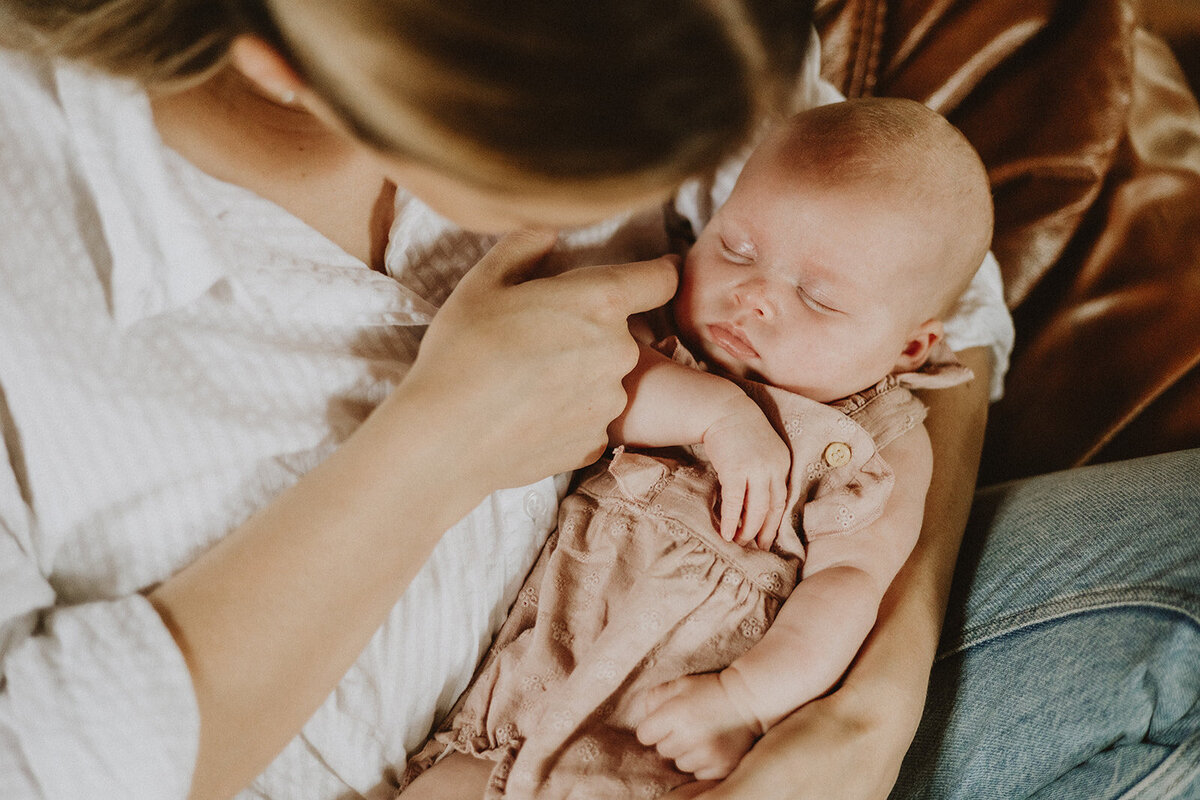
{"x": 981, "y": 319}
{"x": 95, "y": 699}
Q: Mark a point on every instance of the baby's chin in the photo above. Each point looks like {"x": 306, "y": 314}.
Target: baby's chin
{"x": 821, "y": 393}
{"x": 720, "y": 362}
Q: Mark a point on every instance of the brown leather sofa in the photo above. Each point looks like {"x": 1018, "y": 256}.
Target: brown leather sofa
{"x": 1091, "y": 136}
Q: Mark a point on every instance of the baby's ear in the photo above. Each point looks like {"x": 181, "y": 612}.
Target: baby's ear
{"x": 916, "y": 348}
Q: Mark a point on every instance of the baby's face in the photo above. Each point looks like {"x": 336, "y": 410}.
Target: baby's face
{"x": 812, "y": 288}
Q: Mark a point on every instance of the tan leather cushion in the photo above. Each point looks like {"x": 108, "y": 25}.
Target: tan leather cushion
{"x": 1092, "y": 141}
{"x": 1178, "y": 22}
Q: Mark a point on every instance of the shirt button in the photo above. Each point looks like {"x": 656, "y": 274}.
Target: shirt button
{"x": 837, "y": 454}
{"x": 536, "y": 507}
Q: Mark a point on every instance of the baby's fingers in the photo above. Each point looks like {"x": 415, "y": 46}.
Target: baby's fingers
{"x": 657, "y": 725}
{"x": 754, "y": 515}
{"x": 774, "y": 517}
{"x": 733, "y": 497}
{"x": 655, "y": 730}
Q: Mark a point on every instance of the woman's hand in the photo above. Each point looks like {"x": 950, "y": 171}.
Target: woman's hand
{"x": 528, "y": 369}
{"x": 831, "y": 747}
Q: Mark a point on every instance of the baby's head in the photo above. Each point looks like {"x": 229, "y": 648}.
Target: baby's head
{"x": 851, "y": 232}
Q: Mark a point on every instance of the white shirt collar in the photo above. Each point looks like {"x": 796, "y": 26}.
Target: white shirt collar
{"x": 160, "y": 260}
{"x": 174, "y": 233}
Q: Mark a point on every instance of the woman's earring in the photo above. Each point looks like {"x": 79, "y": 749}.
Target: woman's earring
{"x": 287, "y": 97}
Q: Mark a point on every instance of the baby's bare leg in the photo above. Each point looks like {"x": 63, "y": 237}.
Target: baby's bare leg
{"x": 458, "y": 776}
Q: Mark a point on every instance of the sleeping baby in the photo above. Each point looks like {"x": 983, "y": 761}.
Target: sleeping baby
{"x": 724, "y": 565}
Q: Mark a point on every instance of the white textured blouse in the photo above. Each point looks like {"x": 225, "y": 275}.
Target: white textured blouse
{"x": 174, "y": 352}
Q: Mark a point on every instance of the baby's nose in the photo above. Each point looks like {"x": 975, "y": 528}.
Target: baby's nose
{"x": 755, "y": 294}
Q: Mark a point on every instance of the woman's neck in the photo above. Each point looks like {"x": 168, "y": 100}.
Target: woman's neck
{"x": 232, "y": 131}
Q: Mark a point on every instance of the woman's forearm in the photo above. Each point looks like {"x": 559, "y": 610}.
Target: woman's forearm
{"x": 272, "y": 617}
{"x": 897, "y": 655}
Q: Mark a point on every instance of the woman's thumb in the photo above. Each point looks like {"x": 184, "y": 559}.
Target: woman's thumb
{"x": 514, "y": 259}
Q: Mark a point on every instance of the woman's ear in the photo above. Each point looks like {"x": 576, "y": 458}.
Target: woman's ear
{"x": 916, "y": 348}
{"x": 266, "y": 69}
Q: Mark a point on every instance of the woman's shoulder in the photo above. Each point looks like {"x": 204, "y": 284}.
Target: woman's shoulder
{"x": 35, "y": 145}
{"x": 23, "y": 71}
{"x": 48, "y": 213}
{"x": 29, "y": 103}
{"x": 42, "y": 100}
{"x": 35, "y": 160}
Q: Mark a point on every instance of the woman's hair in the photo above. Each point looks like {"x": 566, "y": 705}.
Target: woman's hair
{"x": 552, "y": 90}
{"x": 154, "y": 42}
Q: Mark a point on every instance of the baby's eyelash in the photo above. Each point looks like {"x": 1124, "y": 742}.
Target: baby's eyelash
{"x": 814, "y": 303}
{"x": 743, "y": 254}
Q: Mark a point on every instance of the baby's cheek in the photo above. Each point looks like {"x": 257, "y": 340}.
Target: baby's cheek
{"x": 685, "y": 311}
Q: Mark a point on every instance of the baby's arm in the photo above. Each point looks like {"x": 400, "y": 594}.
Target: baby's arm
{"x": 672, "y": 404}
{"x": 706, "y": 723}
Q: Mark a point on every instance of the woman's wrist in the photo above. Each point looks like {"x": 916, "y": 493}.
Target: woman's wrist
{"x": 417, "y": 425}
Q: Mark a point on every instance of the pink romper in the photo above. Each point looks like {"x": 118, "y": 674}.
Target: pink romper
{"x": 637, "y": 587}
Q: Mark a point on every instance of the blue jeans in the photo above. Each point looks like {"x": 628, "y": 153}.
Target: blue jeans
{"x": 1070, "y": 661}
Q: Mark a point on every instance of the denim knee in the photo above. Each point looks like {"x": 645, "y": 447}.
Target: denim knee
{"x": 1112, "y": 533}
{"x": 1070, "y": 659}
{"x": 1099, "y": 702}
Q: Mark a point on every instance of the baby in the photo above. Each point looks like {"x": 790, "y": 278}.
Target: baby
{"x": 694, "y": 597}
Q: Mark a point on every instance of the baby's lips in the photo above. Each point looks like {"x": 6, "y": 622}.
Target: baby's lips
{"x": 732, "y": 340}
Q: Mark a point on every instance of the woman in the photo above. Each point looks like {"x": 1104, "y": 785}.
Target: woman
{"x": 177, "y": 603}
{"x": 121, "y": 639}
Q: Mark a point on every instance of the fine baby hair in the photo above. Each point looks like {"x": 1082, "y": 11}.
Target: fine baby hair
{"x": 912, "y": 156}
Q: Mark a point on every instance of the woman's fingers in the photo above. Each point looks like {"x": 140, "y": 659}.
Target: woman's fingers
{"x": 612, "y": 291}
{"x": 529, "y": 370}
{"x": 516, "y": 258}
{"x": 615, "y": 291}
{"x": 690, "y": 790}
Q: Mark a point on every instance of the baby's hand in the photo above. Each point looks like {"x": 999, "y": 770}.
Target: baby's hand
{"x": 752, "y": 463}
{"x": 694, "y": 722}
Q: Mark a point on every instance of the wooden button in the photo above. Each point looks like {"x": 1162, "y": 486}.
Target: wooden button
{"x": 837, "y": 454}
